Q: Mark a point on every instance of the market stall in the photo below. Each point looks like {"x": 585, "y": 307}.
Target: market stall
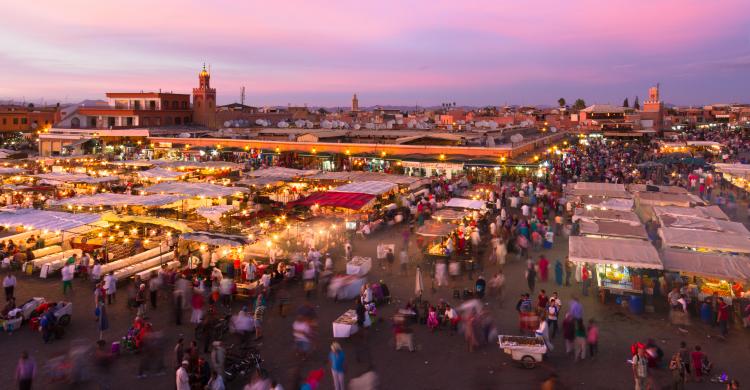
{"x": 709, "y": 273}
{"x": 619, "y": 262}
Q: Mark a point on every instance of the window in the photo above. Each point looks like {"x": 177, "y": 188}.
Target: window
{"x": 5, "y": 121}
{"x": 177, "y": 121}
{"x": 175, "y": 104}
{"x": 187, "y": 120}
{"x": 184, "y": 105}
{"x": 92, "y": 121}
{"x": 75, "y": 123}
{"x": 152, "y": 105}
{"x": 15, "y": 121}
{"x": 110, "y": 121}
{"x": 130, "y": 121}
{"x": 137, "y": 104}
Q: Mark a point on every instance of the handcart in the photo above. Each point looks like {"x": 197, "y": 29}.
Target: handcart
{"x": 526, "y": 350}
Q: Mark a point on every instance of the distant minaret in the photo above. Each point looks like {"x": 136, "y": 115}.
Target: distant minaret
{"x": 204, "y": 101}
{"x": 355, "y": 103}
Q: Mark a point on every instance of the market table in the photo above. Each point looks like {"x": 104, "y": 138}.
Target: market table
{"x": 345, "y": 325}
{"x": 359, "y": 265}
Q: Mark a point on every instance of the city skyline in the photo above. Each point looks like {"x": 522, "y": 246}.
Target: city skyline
{"x": 483, "y": 53}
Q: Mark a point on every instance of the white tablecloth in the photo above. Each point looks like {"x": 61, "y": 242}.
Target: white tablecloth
{"x": 359, "y": 266}
{"x": 345, "y": 330}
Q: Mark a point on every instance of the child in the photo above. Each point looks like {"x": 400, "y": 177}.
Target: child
{"x": 593, "y": 338}
{"x": 432, "y": 319}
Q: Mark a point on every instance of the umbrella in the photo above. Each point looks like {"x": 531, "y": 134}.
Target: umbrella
{"x": 419, "y": 283}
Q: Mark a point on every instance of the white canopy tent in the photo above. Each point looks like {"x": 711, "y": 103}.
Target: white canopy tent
{"x": 367, "y": 187}
{"x": 281, "y": 172}
{"x": 214, "y": 213}
{"x": 107, "y": 199}
{"x": 216, "y": 239}
{"x": 624, "y": 251}
{"x": 611, "y": 190}
{"x": 46, "y": 220}
{"x": 194, "y": 189}
{"x": 59, "y": 177}
{"x": 714, "y": 265}
{"x": 161, "y": 174}
{"x": 463, "y": 203}
{"x": 198, "y": 164}
{"x": 707, "y": 239}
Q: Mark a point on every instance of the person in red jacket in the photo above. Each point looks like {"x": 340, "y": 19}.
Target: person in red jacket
{"x": 722, "y": 317}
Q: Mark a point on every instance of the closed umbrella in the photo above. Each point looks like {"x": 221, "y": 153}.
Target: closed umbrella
{"x": 419, "y": 284}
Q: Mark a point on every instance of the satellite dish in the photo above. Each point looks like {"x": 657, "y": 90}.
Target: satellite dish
{"x": 227, "y": 123}
{"x": 184, "y": 135}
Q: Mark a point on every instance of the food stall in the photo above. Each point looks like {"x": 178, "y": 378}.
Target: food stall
{"x": 623, "y": 266}
{"x": 345, "y": 325}
{"x": 737, "y": 174}
{"x": 709, "y": 273}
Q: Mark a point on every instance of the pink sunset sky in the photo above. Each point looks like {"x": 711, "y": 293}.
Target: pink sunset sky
{"x": 408, "y": 52}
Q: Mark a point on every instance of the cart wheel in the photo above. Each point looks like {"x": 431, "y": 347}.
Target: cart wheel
{"x": 64, "y": 320}
{"x": 528, "y": 361}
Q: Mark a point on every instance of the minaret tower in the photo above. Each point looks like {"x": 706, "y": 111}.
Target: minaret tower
{"x": 204, "y": 101}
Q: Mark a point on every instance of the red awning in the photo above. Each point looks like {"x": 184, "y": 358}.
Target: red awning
{"x": 348, "y": 200}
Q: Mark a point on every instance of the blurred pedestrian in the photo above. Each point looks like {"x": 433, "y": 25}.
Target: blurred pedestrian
{"x": 25, "y": 371}
{"x": 336, "y": 358}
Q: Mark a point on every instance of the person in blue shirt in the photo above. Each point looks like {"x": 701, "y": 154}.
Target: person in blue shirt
{"x": 336, "y": 357}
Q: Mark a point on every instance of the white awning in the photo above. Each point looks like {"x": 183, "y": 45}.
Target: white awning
{"x": 694, "y": 238}
{"x": 463, "y": 203}
{"x": 367, "y": 187}
{"x": 624, "y": 251}
{"x": 214, "y": 213}
{"x": 161, "y": 174}
{"x": 194, "y": 189}
{"x": 713, "y": 265}
{"x": 612, "y": 190}
{"x": 281, "y": 172}
{"x": 46, "y": 220}
{"x": 120, "y": 200}
{"x": 57, "y": 177}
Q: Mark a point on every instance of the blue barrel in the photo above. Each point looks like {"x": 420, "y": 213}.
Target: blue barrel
{"x": 636, "y": 304}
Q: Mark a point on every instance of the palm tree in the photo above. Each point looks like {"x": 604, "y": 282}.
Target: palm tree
{"x": 561, "y": 102}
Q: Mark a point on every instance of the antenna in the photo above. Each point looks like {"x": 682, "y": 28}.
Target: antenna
{"x": 242, "y": 95}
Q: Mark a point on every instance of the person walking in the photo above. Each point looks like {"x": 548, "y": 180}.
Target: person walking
{"x": 25, "y": 371}
{"x": 568, "y": 330}
{"x": 218, "y": 357}
{"x": 592, "y": 338}
{"x": 531, "y": 275}
{"x": 67, "y": 272}
{"x": 140, "y": 301}
{"x": 585, "y": 279}
{"x": 336, "y": 358}
{"x": 543, "y": 268}
{"x": 110, "y": 286}
{"x": 558, "y": 273}
{"x": 722, "y": 317}
{"x": 182, "y": 377}
{"x": 552, "y": 312}
{"x": 640, "y": 368}
{"x": 579, "y": 352}
{"x": 154, "y": 284}
{"x": 9, "y": 284}
{"x": 677, "y": 367}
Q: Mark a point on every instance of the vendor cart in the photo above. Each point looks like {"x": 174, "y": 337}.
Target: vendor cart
{"x": 526, "y": 350}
